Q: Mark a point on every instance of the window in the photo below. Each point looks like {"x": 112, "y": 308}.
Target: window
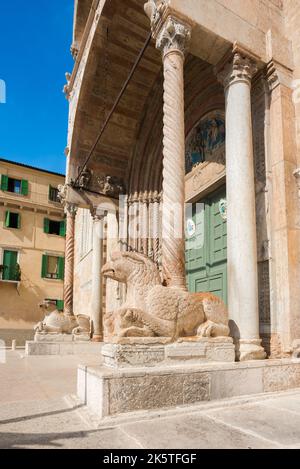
{"x": 53, "y": 194}
{"x": 58, "y": 303}
{"x": 55, "y": 227}
{"x": 10, "y": 268}
{"x": 17, "y": 186}
{"x": 12, "y": 220}
{"x": 53, "y": 267}
{"x": 14, "y": 185}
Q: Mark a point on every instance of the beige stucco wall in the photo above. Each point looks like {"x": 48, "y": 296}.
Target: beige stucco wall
{"x": 19, "y": 305}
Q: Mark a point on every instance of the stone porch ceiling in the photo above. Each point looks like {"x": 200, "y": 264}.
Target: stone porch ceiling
{"x": 119, "y": 36}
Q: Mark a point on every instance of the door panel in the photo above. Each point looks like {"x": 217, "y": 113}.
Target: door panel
{"x": 206, "y": 248}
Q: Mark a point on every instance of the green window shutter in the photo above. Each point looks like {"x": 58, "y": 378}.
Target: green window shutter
{"x": 24, "y": 187}
{"x": 7, "y": 218}
{"x": 10, "y": 263}
{"x": 49, "y": 193}
{"x": 62, "y": 228}
{"x": 4, "y": 182}
{"x": 60, "y": 305}
{"x": 44, "y": 265}
{"x": 19, "y": 221}
{"x": 60, "y": 267}
{"x": 46, "y": 225}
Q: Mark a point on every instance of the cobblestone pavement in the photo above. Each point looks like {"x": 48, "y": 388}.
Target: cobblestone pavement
{"x": 36, "y": 411}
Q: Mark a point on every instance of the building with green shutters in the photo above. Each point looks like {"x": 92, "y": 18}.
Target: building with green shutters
{"x": 32, "y": 245}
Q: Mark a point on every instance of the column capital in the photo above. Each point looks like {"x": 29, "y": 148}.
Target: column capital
{"x": 169, "y": 32}
{"x": 174, "y": 35}
{"x": 238, "y": 65}
{"x": 70, "y": 209}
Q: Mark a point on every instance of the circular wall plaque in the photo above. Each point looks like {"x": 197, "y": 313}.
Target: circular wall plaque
{"x": 223, "y": 208}
{"x": 190, "y": 227}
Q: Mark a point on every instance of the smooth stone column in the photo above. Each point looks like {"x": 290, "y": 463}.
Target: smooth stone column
{"x": 236, "y": 76}
{"x": 97, "y": 290}
{"x": 172, "y": 39}
{"x": 70, "y": 210}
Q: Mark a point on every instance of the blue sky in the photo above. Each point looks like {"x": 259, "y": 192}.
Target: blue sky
{"x": 36, "y": 36}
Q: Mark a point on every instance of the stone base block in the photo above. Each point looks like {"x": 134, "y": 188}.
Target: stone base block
{"x": 118, "y": 356}
{"x": 152, "y": 353}
{"x": 251, "y": 350}
{"x": 52, "y": 337}
{"x": 109, "y": 392}
{"x": 62, "y": 348}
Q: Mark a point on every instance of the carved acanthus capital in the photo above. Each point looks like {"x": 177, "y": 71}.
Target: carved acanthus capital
{"x": 173, "y": 35}
{"x": 155, "y": 197}
{"x": 70, "y": 209}
{"x": 238, "y": 68}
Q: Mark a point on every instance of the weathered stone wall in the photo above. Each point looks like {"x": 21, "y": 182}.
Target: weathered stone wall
{"x": 269, "y": 29}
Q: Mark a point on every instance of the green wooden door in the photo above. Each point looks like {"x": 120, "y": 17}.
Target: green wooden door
{"x": 206, "y": 247}
{"x": 10, "y": 259}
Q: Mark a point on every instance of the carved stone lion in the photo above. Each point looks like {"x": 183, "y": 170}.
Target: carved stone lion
{"x": 57, "y": 322}
{"x": 61, "y": 323}
{"x": 152, "y": 309}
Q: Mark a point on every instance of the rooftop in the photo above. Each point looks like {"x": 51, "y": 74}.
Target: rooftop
{"x": 2, "y": 160}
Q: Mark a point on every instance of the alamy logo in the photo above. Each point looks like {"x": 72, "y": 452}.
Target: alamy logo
{"x": 2, "y": 92}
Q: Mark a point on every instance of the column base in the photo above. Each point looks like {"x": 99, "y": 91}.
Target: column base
{"x": 251, "y": 349}
{"x": 97, "y": 338}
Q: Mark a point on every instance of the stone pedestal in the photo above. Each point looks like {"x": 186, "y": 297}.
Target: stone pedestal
{"x": 156, "y": 351}
{"x": 111, "y": 392}
{"x": 61, "y": 344}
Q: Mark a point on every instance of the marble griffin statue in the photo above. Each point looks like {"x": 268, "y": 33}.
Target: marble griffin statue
{"x": 152, "y": 309}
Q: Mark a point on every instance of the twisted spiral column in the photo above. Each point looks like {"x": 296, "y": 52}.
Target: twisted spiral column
{"x": 172, "y": 40}
{"x": 70, "y": 210}
{"x": 156, "y": 227}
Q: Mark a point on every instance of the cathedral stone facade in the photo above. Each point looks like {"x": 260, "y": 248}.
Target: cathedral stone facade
{"x": 195, "y": 170}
